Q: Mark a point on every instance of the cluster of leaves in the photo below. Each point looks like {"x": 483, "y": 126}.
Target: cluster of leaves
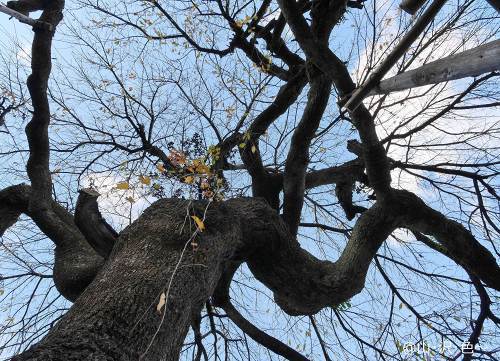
{"x": 192, "y": 166}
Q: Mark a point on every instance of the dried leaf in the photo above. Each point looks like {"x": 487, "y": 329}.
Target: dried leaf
{"x": 200, "y": 167}
{"x": 160, "y": 168}
{"x": 123, "y": 186}
{"x": 177, "y": 157}
{"x": 161, "y": 303}
{"x": 195, "y": 246}
{"x": 144, "y": 179}
{"x": 189, "y": 179}
{"x": 204, "y": 184}
{"x": 199, "y": 223}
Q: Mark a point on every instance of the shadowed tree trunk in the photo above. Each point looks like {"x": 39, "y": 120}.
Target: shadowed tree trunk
{"x": 116, "y": 317}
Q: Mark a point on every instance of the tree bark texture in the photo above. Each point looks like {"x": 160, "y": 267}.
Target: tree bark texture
{"x": 116, "y": 317}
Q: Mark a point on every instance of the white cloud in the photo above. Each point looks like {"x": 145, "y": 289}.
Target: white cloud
{"x": 23, "y": 55}
{"x": 119, "y": 207}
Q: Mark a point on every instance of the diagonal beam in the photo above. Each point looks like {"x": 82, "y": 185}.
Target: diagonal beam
{"x": 473, "y": 62}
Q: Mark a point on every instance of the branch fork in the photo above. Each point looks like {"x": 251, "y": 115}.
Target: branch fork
{"x": 36, "y": 24}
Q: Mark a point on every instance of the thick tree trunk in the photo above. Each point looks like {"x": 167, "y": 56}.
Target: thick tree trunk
{"x": 116, "y": 317}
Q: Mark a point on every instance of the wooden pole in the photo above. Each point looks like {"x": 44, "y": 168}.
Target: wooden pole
{"x": 473, "y": 62}
{"x": 37, "y": 24}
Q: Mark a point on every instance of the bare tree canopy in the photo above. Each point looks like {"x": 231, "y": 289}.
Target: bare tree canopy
{"x": 249, "y": 180}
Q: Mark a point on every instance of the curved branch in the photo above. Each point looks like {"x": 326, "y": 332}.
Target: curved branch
{"x": 287, "y": 95}
{"x": 100, "y": 235}
{"x": 459, "y": 243}
{"x": 260, "y": 336}
{"x": 12, "y": 206}
{"x": 294, "y": 179}
{"x": 303, "y": 284}
{"x": 76, "y": 263}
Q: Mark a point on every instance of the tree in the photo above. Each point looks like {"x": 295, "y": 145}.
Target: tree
{"x": 375, "y": 228}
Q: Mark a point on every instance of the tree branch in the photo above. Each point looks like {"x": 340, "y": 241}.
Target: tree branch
{"x": 36, "y": 24}
{"x": 473, "y": 62}
{"x": 374, "y": 79}
{"x": 377, "y": 165}
{"x": 76, "y": 263}
{"x": 294, "y": 178}
{"x": 260, "y": 336}
{"x": 459, "y": 243}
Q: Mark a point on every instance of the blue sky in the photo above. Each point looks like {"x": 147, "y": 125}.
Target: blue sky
{"x": 252, "y": 298}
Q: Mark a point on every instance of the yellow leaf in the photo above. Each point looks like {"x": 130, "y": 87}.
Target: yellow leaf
{"x": 254, "y": 149}
{"x": 199, "y": 223}
{"x": 208, "y": 193}
{"x": 160, "y": 168}
{"x": 144, "y": 179}
{"x": 123, "y": 186}
{"x": 189, "y": 180}
{"x": 161, "y": 303}
{"x": 204, "y": 185}
{"x": 202, "y": 169}
{"x": 156, "y": 186}
{"x": 177, "y": 157}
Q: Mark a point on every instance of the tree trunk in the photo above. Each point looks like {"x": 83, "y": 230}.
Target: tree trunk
{"x": 116, "y": 317}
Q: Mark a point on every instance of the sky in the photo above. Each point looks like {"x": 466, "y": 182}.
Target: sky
{"x": 120, "y": 213}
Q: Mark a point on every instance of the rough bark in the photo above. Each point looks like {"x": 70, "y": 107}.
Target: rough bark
{"x": 116, "y": 318}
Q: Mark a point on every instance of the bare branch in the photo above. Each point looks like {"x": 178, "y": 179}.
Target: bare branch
{"x": 417, "y": 29}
